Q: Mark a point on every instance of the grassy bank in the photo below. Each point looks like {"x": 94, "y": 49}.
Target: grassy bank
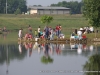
{"x": 68, "y": 22}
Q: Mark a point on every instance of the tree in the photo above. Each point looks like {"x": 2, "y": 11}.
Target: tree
{"x": 17, "y": 11}
{"x": 75, "y": 6}
{"x": 46, "y": 19}
{"x": 46, "y": 60}
{"x": 93, "y": 64}
{"x": 12, "y": 6}
{"x": 91, "y": 11}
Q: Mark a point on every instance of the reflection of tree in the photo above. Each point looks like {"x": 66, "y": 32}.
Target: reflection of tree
{"x": 13, "y": 53}
{"x": 93, "y": 64}
{"x": 46, "y": 60}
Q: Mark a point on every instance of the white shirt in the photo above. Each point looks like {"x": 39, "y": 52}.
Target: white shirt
{"x": 20, "y": 32}
{"x": 38, "y": 29}
{"x": 91, "y": 29}
{"x": 79, "y": 32}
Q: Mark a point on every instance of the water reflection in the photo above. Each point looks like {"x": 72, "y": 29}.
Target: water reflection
{"x": 51, "y": 48}
{"x": 7, "y": 61}
{"x": 14, "y": 51}
{"x": 4, "y": 35}
{"x": 46, "y": 57}
{"x": 81, "y": 47}
{"x": 21, "y": 49}
{"x": 92, "y": 66}
{"x": 58, "y": 49}
{"x": 28, "y": 47}
{"x": 51, "y": 54}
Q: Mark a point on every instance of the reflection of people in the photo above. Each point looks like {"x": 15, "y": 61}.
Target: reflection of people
{"x": 35, "y": 45}
{"x": 62, "y": 46}
{"x": 30, "y": 52}
{"x": 91, "y": 47}
{"x": 84, "y": 47}
{"x": 58, "y": 51}
{"x": 30, "y": 48}
{"x": 39, "y": 48}
{"x": 79, "y": 50}
{"x": 20, "y": 48}
{"x": 72, "y": 46}
{"x": 4, "y": 35}
{"x": 51, "y": 49}
{"x": 46, "y": 49}
{"x": 26, "y": 45}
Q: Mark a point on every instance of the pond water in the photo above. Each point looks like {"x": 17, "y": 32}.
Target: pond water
{"x": 47, "y": 59}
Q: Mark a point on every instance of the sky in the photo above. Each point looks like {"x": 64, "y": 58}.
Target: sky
{"x": 46, "y": 2}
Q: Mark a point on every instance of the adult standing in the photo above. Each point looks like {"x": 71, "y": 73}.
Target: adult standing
{"x": 39, "y": 31}
{"x": 79, "y": 33}
{"x": 4, "y": 29}
{"x": 47, "y": 32}
{"x": 30, "y": 29}
{"x": 20, "y": 33}
{"x": 60, "y": 28}
{"x": 57, "y": 30}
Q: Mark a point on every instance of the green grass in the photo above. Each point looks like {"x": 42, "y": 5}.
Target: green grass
{"x": 68, "y": 22}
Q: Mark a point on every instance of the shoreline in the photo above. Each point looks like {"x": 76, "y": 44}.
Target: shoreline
{"x": 66, "y": 40}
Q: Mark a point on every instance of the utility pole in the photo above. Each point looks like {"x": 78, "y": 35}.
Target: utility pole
{"x": 6, "y": 6}
{"x": 7, "y": 60}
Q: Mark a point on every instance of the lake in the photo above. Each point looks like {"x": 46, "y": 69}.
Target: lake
{"x": 48, "y": 58}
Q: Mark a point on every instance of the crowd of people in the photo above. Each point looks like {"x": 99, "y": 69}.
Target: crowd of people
{"x": 80, "y": 34}
{"x": 4, "y": 32}
{"x": 3, "y": 29}
{"x": 46, "y": 33}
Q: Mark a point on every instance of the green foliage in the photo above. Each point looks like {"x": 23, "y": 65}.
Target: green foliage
{"x": 12, "y": 6}
{"x": 46, "y": 19}
{"x": 18, "y": 11}
{"x": 74, "y": 5}
{"x": 93, "y": 64}
{"x": 46, "y": 60}
{"x": 91, "y": 11}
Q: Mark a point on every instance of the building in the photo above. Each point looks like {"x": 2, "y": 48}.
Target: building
{"x": 48, "y": 10}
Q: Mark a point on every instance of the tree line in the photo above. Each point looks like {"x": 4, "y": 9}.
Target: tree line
{"x": 19, "y": 6}
{"x": 13, "y": 6}
{"x": 75, "y": 6}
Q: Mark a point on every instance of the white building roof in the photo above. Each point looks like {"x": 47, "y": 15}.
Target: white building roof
{"x": 32, "y": 7}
